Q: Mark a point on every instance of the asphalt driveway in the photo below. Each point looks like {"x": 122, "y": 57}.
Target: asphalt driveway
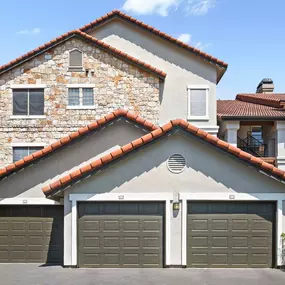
{"x": 31, "y": 274}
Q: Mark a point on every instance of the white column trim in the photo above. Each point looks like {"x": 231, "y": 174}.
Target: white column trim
{"x": 279, "y": 216}
{"x": 74, "y": 233}
{"x": 184, "y": 232}
{"x": 74, "y": 198}
{"x": 29, "y": 201}
{"x": 277, "y": 197}
{"x": 167, "y": 232}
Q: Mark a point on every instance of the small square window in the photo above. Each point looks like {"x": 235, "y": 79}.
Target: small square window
{"x": 81, "y": 97}
{"x": 21, "y": 152}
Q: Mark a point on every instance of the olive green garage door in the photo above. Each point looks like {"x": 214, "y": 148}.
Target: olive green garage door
{"x": 232, "y": 234}
{"x": 124, "y": 234}
{"x": 31, "y": 234}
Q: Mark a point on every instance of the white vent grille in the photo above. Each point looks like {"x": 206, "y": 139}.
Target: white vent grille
{"x": 176, "y": 163}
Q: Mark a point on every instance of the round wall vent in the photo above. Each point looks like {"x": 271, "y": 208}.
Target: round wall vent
{"x": 176, "y": 163}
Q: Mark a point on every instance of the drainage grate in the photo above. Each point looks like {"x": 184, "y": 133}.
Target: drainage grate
{"x": 176, "y": 163}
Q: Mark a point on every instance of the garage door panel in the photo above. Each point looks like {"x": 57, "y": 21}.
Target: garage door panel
{"x": 31, "y": 234}
{"x": 126, "y": 236}
{"x": 230, "y": 234}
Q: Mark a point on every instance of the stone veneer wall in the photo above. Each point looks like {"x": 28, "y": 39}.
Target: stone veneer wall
{"x": 117, "y": 85}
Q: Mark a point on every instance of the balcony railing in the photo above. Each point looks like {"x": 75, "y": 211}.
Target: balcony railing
{"x": 256, "y": 147}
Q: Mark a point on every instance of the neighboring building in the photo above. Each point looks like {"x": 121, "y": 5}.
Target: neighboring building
{"x": 255, "y": 123}
{"x": 113, "y": 189}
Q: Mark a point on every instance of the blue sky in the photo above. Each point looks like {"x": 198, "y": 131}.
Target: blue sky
{"x": 247, "y": 34}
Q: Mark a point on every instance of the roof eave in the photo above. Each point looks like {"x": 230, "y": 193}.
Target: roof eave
{"x": 250, "y": 118}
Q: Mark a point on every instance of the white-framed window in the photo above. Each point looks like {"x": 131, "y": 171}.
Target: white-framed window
{"x": 28, "y": 102}
{"x": 80, "y": 96}
{"x": 21, "y": 151}
{"x": 75, "y": 60}
{"x": 198, "y": 97}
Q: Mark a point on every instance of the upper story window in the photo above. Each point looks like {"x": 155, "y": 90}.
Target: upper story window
{"x": 80, "y": 97}
{"x": 20, "y": 152}
{"x": 28, "y": 102}
{"x": 75, "y": 60}
{"x": 198, "y": 102}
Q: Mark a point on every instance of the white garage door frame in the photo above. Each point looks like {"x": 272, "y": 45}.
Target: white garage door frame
{"x": 117, "y": 197}
{"x": 232, "y": 197}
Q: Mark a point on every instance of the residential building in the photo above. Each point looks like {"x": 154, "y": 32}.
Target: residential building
{"x": 132, "y": 173}
{"x": 255, "y": 123}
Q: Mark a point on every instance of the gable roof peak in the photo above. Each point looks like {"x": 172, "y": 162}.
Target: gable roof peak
{"x": 136, "y": 119}
{"x": 96, "y": 164}
{"x": 113, "y": 13}
{"x": 100, "y": 44}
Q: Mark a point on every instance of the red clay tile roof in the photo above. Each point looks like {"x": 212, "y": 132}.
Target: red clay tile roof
{"x": 257, "y": 105}
{"x": 144, "y": 140}
{"x": 230, "y": 109}
{"x": 98, "y": 43}
{"x": 273, "y": 99}
{"x": 118, "y": 13}
{"x": 73, "y": 136}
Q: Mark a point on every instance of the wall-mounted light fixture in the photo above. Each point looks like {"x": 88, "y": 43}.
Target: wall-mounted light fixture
{"x": 175, "y": 206}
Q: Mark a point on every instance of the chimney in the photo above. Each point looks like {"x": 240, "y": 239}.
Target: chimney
{"x": 265, "y": 86}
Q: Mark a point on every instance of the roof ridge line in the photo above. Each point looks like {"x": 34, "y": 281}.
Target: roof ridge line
{"x": 155, "y": 31}
{"x": 160, "y": 131}
{"x": 25, "y": 57}
{"x": 73, "y": 136}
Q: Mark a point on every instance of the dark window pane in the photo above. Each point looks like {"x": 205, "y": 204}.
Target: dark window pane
{"x": 36, "y": 101}
{"x": 73, "y": 96}
{"x": 19, "y": 153}
{"x": 33, "y": 149}
{"x": 75, "y": 58}
{"x": 87, "y": 97}
{"x": 20, "y": 102}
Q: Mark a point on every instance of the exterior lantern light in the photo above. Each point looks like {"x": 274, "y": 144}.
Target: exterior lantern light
{"x": 175, "y": 206}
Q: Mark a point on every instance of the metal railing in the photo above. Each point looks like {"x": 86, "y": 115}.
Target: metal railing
{"x": 256, "y": 147}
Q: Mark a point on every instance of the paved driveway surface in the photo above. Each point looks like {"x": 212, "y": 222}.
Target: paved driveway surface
{"x": 31, "y": 274}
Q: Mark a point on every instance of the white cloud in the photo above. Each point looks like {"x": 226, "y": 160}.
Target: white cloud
{"x": 200, "y": 7}
{"x": 186, "y": 38}
{"x": 201, "y": 46}
{"x": 30, "y": 32}
{"x": 163, "y": 7}
{"x": 147, "y": 7}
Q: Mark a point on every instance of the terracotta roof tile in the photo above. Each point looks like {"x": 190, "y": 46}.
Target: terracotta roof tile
{"x": 269, "y": 99}
{"x": 227, "y": 109}
{"x": 68, "y": 139}
{"x": 98, "y": 43}
{"x": 116, "y": 154}
{"x": 117, "y": 13}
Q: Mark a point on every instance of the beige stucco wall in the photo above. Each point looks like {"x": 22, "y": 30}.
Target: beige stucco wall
{"x": 181, "y": 66}
{"x": 28, "y": 182}
{"x": 117, "y": 85}
{"x": 208, "y": 170}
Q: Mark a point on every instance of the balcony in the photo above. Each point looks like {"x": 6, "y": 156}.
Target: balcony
{"x": 255, "y": 144}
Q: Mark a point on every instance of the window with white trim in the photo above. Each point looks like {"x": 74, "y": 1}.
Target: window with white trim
{"x": 80, "y": 97}
{"x": 20, "y": 152}
{"x": 28, "y": 102}
{"x": 198, "y": 102}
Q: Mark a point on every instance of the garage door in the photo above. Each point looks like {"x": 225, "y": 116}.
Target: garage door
{"x": 230, "y": 234}
{"x": 31, "y": 234}
{"x": 120, "y": 234}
